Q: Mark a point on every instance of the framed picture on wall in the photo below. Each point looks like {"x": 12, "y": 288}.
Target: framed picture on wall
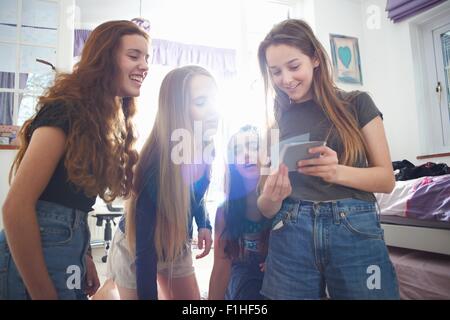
{"x": 346, "y": 59}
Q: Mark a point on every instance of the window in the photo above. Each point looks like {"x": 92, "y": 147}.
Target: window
{"x": 436, "y": 113}
{"x": 28, "y": 32}
{"x": 442, "y": 58}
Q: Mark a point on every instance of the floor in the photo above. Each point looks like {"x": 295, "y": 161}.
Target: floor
{"x": 202, "y": 267}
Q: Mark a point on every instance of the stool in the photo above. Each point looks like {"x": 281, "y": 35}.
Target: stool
{"x": 108, "y": 217}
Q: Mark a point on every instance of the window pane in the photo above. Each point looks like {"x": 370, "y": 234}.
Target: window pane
{"x": 28, "y": 56}
{"x": 445, "y": 39}
{"x": 40, "y": 13}
{"x": 36, "y": 83}
{"x": 6, "y": 108}
{"x": 39, "y": 22}
{"x": 8, "y": 20}
{"x": 7, "y": 80}
{"x": 27, "y": 107}
{"x": 7, "y": 57}
{"x": 39, "y": 36}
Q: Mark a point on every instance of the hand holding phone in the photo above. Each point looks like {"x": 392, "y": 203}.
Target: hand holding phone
{"x": 291, "y": 153}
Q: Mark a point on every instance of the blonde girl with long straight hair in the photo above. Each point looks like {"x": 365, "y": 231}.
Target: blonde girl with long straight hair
{"x": 167, "y": 194}
{"x": 326, "y": 230}
{"x": 78, "y": 146}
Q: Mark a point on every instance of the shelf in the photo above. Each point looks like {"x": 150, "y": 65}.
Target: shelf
{"x": 8, "y": 147}
{"x": 436, "y": 155}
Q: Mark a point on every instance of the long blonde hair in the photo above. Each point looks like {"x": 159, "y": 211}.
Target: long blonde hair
{"x": 298, "y": 34}
{"x": 174, "y": 193}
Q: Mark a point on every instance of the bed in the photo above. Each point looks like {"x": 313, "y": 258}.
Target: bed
{"x": 416, "y": 215}
{"x": 416, "y": 222}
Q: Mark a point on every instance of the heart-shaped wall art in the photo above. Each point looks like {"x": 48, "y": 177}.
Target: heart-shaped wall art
{"x": 345, "y": 55}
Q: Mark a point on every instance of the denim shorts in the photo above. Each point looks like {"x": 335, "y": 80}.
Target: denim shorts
{"x": 65, "y": 239}
{"x": 246, "y": 278}
{"x": 335, "y": 246}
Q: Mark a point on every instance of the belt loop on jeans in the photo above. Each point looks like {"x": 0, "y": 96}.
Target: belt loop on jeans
{"x": 336, "y": 214}
{"x": 316, "y": 207}
{"x": 378, "y": 210}
{"x": 77, "y": 217}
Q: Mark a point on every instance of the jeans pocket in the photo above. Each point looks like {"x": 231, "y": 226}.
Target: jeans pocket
{"x": 55, "y": 233}
{"x": 362, "y": 223}
{"x": 283, "y": 217}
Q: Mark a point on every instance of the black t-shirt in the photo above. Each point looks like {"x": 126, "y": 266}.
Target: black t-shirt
{"x": 59, "y": 189}
{"x": 308, "y": 118}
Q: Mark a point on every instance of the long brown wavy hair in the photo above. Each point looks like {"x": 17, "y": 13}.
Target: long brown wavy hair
{"x": 155, "y": 162}
{"x": 297, "y": 33}
{"x": 99, "y": 151}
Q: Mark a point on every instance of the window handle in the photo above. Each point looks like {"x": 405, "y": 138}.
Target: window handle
{"x": 438, "y": 87}
{"x": 438, "y": 92}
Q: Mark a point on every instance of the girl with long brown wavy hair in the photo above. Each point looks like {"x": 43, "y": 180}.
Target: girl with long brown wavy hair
{"x": 78, "y": 146}
{"x": 326, "y": 231}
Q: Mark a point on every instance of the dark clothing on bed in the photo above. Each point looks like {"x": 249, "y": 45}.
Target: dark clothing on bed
{"x": 308, "y": 118}
{"x": 408, "y": 171}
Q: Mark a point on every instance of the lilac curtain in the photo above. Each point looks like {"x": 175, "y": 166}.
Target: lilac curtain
{"x": 218, "y": 60}
{"x": 399, "y": 10}
{"x": 80, "y": 38}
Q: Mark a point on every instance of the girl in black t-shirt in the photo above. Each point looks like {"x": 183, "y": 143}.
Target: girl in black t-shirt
{"x": 78, "y": 146}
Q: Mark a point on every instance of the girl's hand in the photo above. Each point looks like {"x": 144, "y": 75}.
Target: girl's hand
{"x": 262, "y": 267}
{"x": 92, "y": 283}
{"x": 325, "y": 167}
{"x": 277, "y": 186}
{"x": 204, "y": 235}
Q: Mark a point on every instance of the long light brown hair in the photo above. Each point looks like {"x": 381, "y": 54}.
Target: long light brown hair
{"x": 173, "y": 198}
{"x": 297, "y": 33}
{"x": 99, "y": 151}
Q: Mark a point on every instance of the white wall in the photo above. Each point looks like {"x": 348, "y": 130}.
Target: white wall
{"x": 392, "y": 76}
{"x": 6, "y": 159}
{"x": 341, "y": 17}
{"x": 390, "y": 79}
{"x": 388, "y": 67}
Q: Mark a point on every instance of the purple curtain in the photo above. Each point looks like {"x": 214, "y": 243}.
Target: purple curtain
{"x": 399, "y": 10}
{"x": 220, "y": 61}
{"x": 80, "y": 38}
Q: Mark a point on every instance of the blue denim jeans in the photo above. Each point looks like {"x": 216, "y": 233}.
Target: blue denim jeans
{"x": 335, "y": 245}
{"x": 246, "y": 278}
{"x": 65, "y": 238}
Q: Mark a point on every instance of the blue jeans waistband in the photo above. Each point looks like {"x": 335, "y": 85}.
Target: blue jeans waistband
{"x": 54, "y": 211}
{"x": 349, "y": 204}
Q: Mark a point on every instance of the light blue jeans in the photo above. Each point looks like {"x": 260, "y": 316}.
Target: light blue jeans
{"x": 336, "y": 245}
{"x": 65, "y": 239}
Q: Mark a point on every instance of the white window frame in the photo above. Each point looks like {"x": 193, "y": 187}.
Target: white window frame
{"x": 64, "y": 47}
{"x": 433, "y": 133}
